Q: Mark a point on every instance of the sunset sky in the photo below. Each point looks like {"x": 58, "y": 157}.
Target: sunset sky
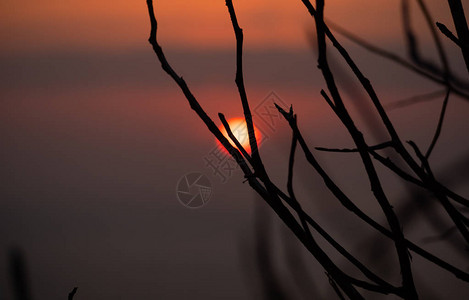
{"x": 120, "y": 25}
{"x": 95, "y": 137}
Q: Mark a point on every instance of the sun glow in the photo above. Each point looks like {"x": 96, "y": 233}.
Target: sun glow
{"x": 239, "y": 129}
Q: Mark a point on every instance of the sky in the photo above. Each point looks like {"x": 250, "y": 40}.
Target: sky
{"x": 119, "y": 25}
{"x": 95, "y": 138}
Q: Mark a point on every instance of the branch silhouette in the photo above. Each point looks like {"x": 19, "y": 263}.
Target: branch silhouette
{"x": 419, "y": 172}
{"x": 460, "y": 23}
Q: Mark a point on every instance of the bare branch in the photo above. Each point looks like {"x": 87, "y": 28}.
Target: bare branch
{"x": 439, "y": 126}
{"x": 347, "y": 203}
{"x": 429, "y": 181}
{"x": 286, "y": 206}
{"x": 402, "y": 62}
{"x": 458, "y": 219}
{"x": 385, "y": 286}
{"x": 234, "y": 139}
{"x": 258, "y": 165}
{"x": 354, "y": 150}
{"x": 436, "y": 38}
{"x": 72, "y": 293}
{"x": 462, "y": 29}
{"x": 415, "y": 99}
{"x": 443, "y": 29}
{"x": 335, "y": 287}
{"x": 401, "y": 248}
{"x": 194, "y": 104}
{"x": 449, "y": 79}
{"x": 446, "y": 73}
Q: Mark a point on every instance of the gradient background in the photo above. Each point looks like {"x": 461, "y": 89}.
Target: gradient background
{"x": 95, "y": 137}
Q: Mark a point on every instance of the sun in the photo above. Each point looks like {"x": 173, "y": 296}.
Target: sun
{"x": 240, "y": 131}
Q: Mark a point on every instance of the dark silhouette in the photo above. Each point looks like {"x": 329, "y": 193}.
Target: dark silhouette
{"x": 72, "y": 293}
{"x": 19, "y": 274}
{"x": 409, "y": 161}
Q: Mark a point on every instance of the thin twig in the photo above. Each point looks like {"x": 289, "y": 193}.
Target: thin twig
{"x": 443, "y": 29}
{"x": 348, "y": 150}
{"x": 404, "y": 175}
{"x": 458, "y": 219}
{"x": 397, "y": 170}
{"x": 72, "y": 293}
{"x": 385, "y": 161}
{"x": 256, "y": 158}
{"x": 234, "y": 139}
{"x": 442, "y": 236}
{"x": 291, "y": 192}
{"x": 291, "y": 162}
{"x": 436, "y": 39}
{"x": 413, "y": 46}
{"x": 446, "y": 73}
{"x": 328, "y": 100}
{"x": 415, "y": 99}
{"x": 460, "y": 23}
{"x": 439, "y": 126}
{"x": 270, "y": 279}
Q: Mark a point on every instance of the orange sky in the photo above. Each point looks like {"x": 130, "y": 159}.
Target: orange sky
{"x": 123, "y": 24}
